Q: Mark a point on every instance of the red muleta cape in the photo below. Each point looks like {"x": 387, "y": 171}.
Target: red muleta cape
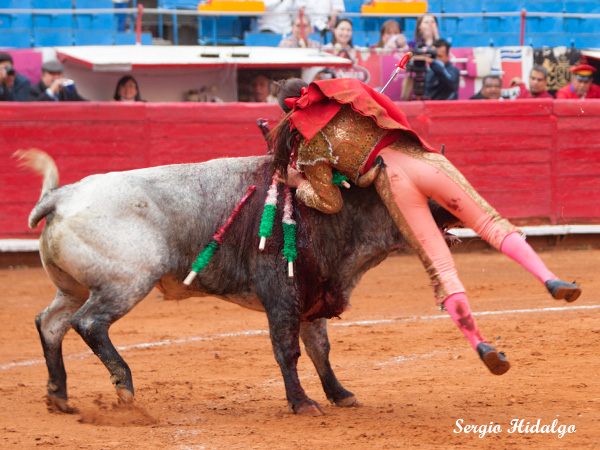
{"x": 323, "y": 99}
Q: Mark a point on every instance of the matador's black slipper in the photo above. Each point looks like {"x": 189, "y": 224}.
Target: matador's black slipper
{"x": 494, "y": 360}
{"x": 561, "y": 289}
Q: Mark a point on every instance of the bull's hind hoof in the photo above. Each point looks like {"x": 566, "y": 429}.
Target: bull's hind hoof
{"x": 346, "y": 402}
{"x": 54, "y": 402}
{"x": 494, "y": 360}
{"x": 307, "y": 409}
{"x": 125, "y": 395}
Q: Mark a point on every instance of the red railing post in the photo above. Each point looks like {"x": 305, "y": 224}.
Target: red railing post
{"x": 138, "y": 24}
{"x": 523, "y": 16}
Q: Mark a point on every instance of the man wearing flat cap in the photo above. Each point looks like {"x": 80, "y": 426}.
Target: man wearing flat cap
{"x": 53, "y": 87}
{"x": 581, "y": 86}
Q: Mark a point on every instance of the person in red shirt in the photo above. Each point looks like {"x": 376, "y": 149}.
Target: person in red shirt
{"x": 581, "y": 86}
{"x": 538, "y": 80}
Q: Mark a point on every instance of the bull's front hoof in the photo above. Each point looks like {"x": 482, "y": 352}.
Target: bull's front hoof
{"x": 307, "y": 409}
{"x": 125, "y": 395}
{"x": 347, "y": 402}
{"x": 53, "y": 402}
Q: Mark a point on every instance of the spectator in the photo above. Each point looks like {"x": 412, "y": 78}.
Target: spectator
{"x": 5, "y": 93}
{"x": 325, "y": 74}
{"x": 127, "y": 90}
{"x": 538, "y": 79}
{"x": 491, "y": 88}
{"x": 301, "y": 28}
{"x": 391, "y": 37}
{"x": 426, "y": 32}
{"x": 341, "y": 41}
{"x": 261, "y": 89}
{"x": 53, "y": 86}
{"x": 581, "y": 86}
{"x": 278, "y": 19}
{"x": 17, "y": 83}
{"x": 323, "y": 13}
{"x": 442, "y": 77}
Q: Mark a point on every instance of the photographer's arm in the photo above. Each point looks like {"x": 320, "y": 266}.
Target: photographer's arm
{"x": 447, "y": 78}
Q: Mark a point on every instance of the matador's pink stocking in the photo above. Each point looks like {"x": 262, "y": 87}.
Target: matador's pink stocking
{"x": 457, "y": 306}
{"x": 516, "y": 247}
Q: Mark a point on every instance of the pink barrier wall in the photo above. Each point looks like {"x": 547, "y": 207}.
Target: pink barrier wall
{"x": 537, "y": 162}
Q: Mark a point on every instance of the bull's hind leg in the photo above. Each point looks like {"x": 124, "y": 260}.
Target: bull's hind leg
{"x": 314, "y": 336}
{"x": 92, "y": 322}
{"x": 52, "y": 325}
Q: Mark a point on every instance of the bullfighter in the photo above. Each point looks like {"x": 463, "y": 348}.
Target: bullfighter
{"x": 343, "y": 124}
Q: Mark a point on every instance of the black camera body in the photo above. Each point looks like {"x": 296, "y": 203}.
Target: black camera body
{"x": 417, "y": 69}
{"x": 10, "y": 70}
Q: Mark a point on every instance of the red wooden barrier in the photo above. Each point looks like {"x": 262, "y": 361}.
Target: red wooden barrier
{"x": 537, "y": 162}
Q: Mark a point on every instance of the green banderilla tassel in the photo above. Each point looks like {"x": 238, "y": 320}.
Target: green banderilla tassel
{"x": 340, "y": 180}
{"x": 204, "y": 257}
{"x": 267, "y": 220}
{"x": 289, "y": 241}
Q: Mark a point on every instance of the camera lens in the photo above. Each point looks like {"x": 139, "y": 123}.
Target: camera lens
{"x": 10, "y": 70}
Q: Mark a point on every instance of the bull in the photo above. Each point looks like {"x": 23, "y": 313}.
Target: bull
{"x": 109, "y": 239}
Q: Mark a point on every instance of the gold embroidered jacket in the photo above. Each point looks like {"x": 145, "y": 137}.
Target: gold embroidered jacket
{"x": 344, "y": 144}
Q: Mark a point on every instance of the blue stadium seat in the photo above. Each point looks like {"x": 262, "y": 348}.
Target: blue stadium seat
{"x": 543, "y": 25}
{"x": 52, "y": 20}
{"x": 471, "y": 24}
{"x": 261, "y": 39}
{"x": 221, "y": 30}
{"x": 543, "y": 5}
{"x": 582, "y": 6}
{"x": 52, "y": 37}
{"x": 178, "y": 4}
{"x": 584, "y": 40}
{"x": 435, "y": 6}
{"x": 503, "y": 5}
{"x": 582, "y": 26}
{"x": 502, "y": 24}
{"x": 372, "y": 38}
{"x": 465, "y": 6}
{"x": 15, "y": 21}
{"x": 95, "y": 21}
{"x": 17, "y": 38}
{"x": 409, "y": 27}
{"x": 505, "y": 39}
{"x": 459, "y": 40}
{"x": 15, "y": 4}
{"x": 93, "y": 37}
{"x": 448, "y": 26}
{"x": 353, "y": 6}
{"x": 539, "y": 40}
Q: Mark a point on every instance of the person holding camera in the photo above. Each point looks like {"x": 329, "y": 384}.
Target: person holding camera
{"x": 5, "y": 94}
{"x": 391, "y": 37}
{"x": 442, "y": 77}
{"x": 53, "y": 87}
{"x": 15, "y": 83}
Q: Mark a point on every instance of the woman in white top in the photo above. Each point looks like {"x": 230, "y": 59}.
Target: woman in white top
{"x": 341, "y": 41}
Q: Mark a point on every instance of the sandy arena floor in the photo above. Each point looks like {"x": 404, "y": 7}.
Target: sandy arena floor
{"x": 206, "y": 378}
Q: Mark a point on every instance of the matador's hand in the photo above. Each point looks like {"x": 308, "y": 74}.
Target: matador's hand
{"x": 294, "y": 178}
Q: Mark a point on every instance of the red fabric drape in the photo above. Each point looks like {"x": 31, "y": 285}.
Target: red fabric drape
{"x": 323, "y": 99}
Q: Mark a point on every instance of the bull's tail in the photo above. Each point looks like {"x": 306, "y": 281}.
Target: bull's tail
{"x": 41, "y": 163}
